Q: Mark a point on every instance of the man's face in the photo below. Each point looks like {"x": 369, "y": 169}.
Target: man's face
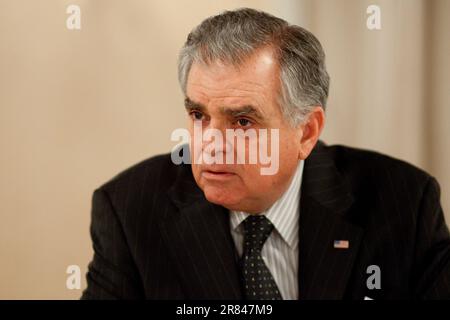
{"x": 225, "y": 97}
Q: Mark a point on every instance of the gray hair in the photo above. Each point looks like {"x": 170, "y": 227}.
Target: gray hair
{"x": 232, "y": 36}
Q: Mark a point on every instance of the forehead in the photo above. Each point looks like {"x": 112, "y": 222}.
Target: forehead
{"x": 257, "y": 78}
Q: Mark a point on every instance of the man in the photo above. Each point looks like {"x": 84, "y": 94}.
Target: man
{"x": 331, "y": 223}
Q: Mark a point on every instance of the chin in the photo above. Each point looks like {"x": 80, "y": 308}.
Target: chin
{"x": 221, "y": 197}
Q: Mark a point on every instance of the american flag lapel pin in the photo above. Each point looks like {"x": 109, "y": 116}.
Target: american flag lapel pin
{"x": 341, "y": 244}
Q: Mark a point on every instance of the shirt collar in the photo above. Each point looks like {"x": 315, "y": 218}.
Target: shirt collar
{"x": 283, "y": 214}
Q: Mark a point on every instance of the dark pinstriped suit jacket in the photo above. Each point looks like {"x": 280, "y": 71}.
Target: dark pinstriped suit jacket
{"x": 155, "y": 236}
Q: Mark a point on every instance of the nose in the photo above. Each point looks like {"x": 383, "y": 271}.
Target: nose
{"x": 215, "y": 145}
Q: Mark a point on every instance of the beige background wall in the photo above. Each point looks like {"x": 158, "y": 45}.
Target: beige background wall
{"x": 76, "y": 107}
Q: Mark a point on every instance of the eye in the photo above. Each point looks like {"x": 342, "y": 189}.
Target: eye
{"x": 244, "y": 122}
{"x": 196, "y": 115}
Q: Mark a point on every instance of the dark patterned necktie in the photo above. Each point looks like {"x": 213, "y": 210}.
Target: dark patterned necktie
{"x": 258, "y": 282}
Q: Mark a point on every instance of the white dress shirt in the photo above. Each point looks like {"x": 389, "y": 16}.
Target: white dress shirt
{"x": 280, "y": 251}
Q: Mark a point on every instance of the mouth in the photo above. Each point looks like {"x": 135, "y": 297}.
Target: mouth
{"x": 217, "y": 175}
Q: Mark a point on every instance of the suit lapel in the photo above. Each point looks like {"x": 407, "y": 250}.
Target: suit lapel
{"x": 199, "y": 240}
{"x": 325, "y": 199}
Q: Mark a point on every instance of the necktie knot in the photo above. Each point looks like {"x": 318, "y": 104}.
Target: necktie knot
{"x": 257, "y": 229}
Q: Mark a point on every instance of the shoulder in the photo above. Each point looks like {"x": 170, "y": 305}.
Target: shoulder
{"x": 363, "y": 163}
{"x": 142, "y": 184}
{"x": 377, "y": 179}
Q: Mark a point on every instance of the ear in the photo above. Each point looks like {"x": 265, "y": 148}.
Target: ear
{"x": 311, "y": 130}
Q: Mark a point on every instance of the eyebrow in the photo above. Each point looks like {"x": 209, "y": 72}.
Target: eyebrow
{"x": 191, "y": 105}
{"x": 246, "y": 110}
